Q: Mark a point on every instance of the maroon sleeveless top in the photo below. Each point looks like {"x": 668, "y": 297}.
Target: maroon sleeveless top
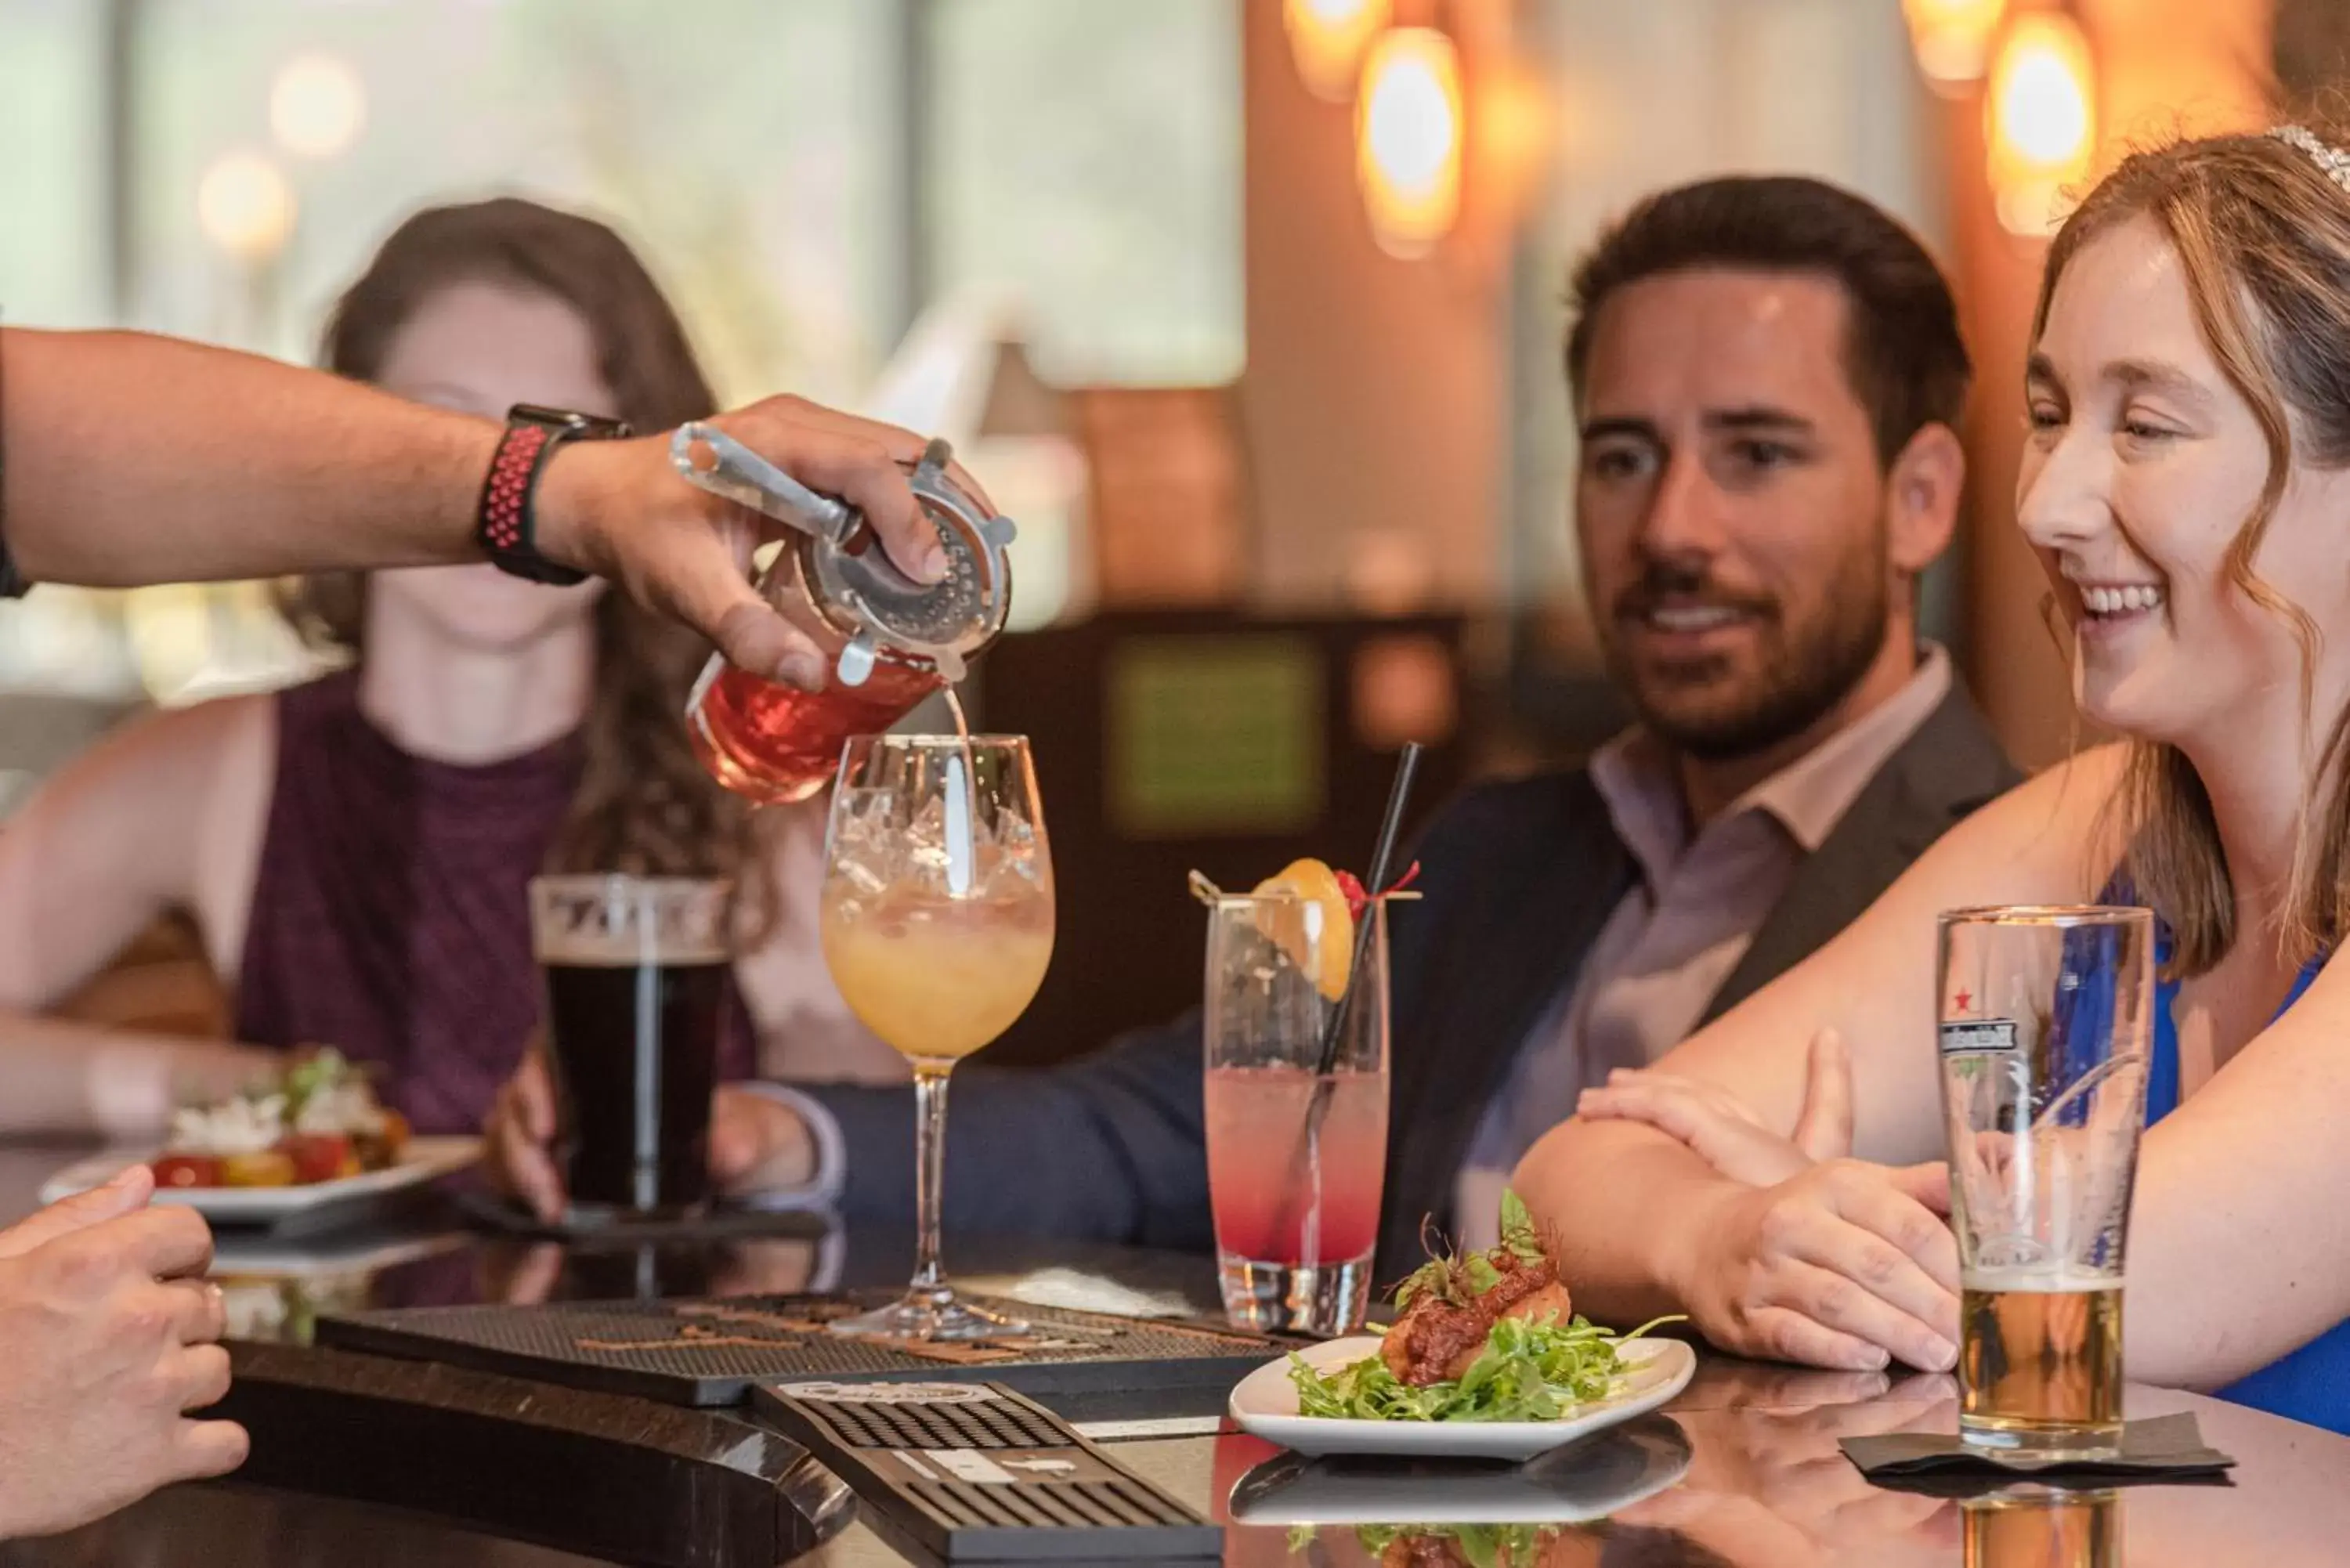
{"x": 391, "y": 912}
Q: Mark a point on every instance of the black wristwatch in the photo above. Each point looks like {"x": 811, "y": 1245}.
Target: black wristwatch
{"x": 507, "y": 522}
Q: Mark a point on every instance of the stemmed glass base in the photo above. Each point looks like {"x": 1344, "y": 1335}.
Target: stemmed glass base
{"x": 933, "y": 1312}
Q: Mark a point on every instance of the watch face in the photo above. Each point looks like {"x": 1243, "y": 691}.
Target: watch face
{"x": 591, "y": 426}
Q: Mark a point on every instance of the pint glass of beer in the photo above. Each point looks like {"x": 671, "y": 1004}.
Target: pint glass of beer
{"x": 2046, "y": 1019}
{"x": 637, "y": 970}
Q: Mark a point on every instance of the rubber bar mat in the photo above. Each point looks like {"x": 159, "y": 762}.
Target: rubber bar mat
{"x": 974, "y": 1473}
{"x": 709, "y": 1352}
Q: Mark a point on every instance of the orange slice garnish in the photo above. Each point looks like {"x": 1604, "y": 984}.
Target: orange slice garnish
{"x": 1308, "y": 918}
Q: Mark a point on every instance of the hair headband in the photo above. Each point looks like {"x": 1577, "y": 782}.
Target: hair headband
{"x": 2330, "y": 160}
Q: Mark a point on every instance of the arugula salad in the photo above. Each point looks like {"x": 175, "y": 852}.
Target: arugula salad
{"x": 1491, "y": 1337}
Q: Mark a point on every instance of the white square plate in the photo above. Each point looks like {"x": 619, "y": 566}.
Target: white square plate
{"x": 1264, "y": 1405}
{"x": 424, "y": 1159}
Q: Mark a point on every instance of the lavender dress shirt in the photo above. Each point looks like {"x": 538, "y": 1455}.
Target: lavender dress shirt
{"x": 1683, "y": 926}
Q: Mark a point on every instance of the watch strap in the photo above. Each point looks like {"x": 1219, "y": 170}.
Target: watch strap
{"x": 507, "y": 522}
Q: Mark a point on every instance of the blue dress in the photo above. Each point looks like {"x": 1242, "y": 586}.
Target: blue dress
{"x": 2313, "y": 1383}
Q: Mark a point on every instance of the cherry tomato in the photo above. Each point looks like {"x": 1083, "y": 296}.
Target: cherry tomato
{"x": 320, "y": 1156}
{"x": 187, "y": 1171}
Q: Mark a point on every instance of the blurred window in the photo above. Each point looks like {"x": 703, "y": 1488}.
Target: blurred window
{"x": 1086, "y": 161}
{"x": 221, "y": 169}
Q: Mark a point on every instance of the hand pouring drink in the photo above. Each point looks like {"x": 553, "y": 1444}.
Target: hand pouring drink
{"x": 891, "y": 640}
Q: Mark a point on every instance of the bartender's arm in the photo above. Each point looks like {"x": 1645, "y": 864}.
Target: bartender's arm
{"x": 128, "y": 459}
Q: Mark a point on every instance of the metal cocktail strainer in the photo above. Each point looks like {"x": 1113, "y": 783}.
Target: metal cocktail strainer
{"x": 844, "y": 578}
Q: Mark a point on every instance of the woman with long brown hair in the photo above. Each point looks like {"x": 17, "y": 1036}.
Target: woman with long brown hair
{"x": 355, "y": 851}
{"x": 2185, "y": 482}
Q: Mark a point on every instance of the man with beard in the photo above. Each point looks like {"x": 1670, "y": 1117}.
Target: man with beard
{"x": 1768, "y": 374}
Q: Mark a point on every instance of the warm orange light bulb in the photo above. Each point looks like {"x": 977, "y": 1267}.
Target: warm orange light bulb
{"x": 1953, "y": 38}
{"x": 245, "y": 205}
{"x": 1328, "y": 37}
{"x": 1407, "y": 136}
{"x": 318, "y": 106}
{"x": 1512, "y": 128}
{"x": 2042, "y": 117}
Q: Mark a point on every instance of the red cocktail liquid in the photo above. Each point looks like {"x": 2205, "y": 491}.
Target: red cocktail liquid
{"x": 773, "y": 743}
{"x": 1256, "y": 1120}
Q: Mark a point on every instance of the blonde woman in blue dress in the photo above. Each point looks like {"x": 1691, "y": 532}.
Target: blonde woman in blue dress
{"x": 2186, "y": 483}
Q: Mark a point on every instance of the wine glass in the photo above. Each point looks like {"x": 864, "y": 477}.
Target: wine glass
{"x": 937, "y": 921}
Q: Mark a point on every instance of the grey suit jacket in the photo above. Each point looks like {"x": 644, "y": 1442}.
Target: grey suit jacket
{"x": 1517, "y": 878}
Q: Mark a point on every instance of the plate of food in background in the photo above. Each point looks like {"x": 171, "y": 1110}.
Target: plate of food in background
{"x": 310, "y": 1137}
{"x": 1485, "y": 1360}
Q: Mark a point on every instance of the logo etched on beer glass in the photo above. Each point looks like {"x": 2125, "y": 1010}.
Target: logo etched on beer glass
{"x": 2046, "y": 1017}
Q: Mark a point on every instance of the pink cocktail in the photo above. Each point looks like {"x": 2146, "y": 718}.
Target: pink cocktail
{"x": 1296, "y": 1101}
{"x": 1273, "y": 1205}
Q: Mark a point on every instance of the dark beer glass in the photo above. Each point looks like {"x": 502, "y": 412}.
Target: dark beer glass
{"x": 637, "y": 987}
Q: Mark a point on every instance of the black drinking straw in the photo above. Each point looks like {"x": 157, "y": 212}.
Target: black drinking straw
{"x": 1334, "y": 1032}
{"x": 1382, "y": 864}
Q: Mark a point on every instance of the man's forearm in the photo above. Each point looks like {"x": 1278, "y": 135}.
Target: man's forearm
{"x": 135, "y": 458}
{"x": 1625, "y": 1208}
